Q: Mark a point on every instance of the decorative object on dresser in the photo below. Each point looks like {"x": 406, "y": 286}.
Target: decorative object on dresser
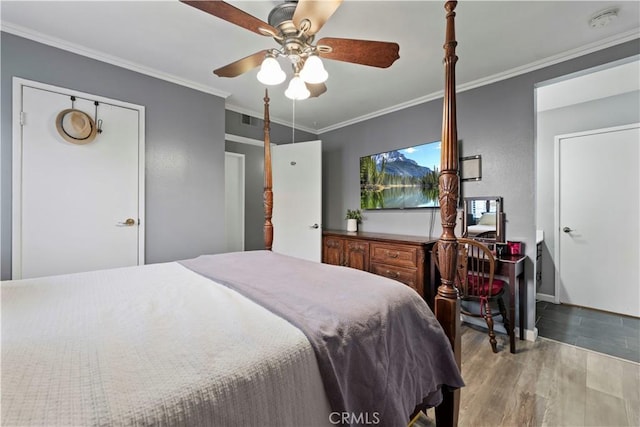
{"x": 354, "y": 217}
{"x": 403, "y": 258}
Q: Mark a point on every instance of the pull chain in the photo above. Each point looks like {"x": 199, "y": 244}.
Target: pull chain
{"x": 293, "y": 126}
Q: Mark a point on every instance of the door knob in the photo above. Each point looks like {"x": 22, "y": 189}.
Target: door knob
{"x": 567, "y": 230}
{"x": 127, "y": 223}
{"x": 314, "y": 226}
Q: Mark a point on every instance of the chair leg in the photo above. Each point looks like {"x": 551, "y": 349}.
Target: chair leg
{"x": 489, "y": 319}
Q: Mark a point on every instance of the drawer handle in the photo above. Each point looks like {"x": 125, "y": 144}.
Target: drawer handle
{"x": 395, "y": 255}
{"x": 393, "y": 274}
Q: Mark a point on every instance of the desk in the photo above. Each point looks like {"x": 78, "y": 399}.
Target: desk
{"x": 511, "y": 267}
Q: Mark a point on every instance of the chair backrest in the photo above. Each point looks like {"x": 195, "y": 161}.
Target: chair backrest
{"x": 475, "y": 270}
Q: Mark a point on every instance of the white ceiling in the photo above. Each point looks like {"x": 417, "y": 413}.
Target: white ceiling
{"x": 176, "y": 42}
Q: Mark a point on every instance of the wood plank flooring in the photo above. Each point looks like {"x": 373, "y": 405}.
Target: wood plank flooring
{"x": 546, "y": 383}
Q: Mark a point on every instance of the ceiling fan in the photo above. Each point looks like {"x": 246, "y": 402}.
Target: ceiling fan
{"x": 293, "y": 25}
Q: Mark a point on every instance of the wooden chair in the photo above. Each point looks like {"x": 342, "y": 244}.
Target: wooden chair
{"x": 476, "y": 284}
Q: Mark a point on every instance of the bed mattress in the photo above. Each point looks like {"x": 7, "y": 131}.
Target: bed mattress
{"x": 151, "y": 345}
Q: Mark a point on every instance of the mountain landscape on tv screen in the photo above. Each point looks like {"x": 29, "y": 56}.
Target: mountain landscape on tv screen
{"x": 392, "y": 180}
{"x": 397, "y": 163}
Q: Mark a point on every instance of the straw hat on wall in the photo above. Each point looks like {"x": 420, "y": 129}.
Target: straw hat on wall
{"x": 76, "y": 126}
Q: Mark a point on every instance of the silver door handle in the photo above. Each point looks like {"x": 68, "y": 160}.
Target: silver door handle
{"x": 314, "y": 226}
{"x": 567, "y": 230}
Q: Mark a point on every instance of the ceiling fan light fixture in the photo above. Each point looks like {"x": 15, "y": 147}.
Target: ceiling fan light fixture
{"x": 313, "y": 71}
{"x": 270, "y": 72}
{"x": 297, "y": 90}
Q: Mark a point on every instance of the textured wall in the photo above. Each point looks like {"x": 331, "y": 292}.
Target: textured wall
{"x": 496, "y": 121}
{"x": 184, "y": 146}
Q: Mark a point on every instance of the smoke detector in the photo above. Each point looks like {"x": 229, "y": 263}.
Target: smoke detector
{"x": 603, "y": 18}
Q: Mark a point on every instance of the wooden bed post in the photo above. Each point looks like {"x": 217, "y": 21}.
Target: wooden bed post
{"x": 447, "y": 302}
{"x": 268, "y": 184}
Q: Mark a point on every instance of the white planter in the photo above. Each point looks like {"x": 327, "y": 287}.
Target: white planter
{"x": 352, "y": 225}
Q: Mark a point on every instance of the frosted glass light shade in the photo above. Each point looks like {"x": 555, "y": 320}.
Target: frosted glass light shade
{"x": 297, "y": 89}
{"x": 313, "y": 71}
{"x": 270, "y": 72}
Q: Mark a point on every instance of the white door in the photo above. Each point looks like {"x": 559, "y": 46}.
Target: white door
{"x": 598, "y": 197}
{"x": 72, "y": 202}
{"x": 234, "y": 201}
{"x": 297, "y": 199}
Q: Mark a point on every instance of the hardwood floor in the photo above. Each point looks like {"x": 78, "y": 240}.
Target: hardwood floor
{"x": 546, "y": 383}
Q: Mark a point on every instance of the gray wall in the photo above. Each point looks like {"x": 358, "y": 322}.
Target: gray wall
{"x": 184, "y": 146}
{"x": 601, "y": 113}
{"x": 496, "y": 121}
{"x": 254, "y": 168}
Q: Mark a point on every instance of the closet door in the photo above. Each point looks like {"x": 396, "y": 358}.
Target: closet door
{"x": 76, "y": 207}
{"x": 598, "y": 229}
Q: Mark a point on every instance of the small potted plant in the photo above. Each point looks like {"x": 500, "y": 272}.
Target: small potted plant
{"x": 354, "y": 217}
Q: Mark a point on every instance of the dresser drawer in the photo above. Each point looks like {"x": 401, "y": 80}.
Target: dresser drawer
{"x": 408, "y": 276}
{"x": 401, "y": 256}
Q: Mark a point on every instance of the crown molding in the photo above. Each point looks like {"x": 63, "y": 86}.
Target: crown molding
{"x": 533, "y": 66}
{"x": 109, "y": 59}
{"x": 546, "y": 62}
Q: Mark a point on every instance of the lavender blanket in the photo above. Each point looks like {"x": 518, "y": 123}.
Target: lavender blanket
{"x": 379, "y": 347}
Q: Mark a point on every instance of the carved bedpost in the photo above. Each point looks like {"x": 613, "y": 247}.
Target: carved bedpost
{"x": 447, "y": 303}
{"x": 268, "y": 193}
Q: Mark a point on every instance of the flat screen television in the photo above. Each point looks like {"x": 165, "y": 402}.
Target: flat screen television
{"x": 401, "y": 179}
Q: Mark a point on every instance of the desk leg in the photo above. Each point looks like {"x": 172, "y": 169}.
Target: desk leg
{"x": 521, "y": 297}
{"x": 512, "y": 310}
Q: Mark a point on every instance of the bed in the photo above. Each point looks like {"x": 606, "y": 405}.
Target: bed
{"x": 486, "y": 224}
{"x": 250, "y": 338}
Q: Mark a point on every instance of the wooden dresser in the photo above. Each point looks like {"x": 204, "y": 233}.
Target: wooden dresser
{"x": 403, "y": 258}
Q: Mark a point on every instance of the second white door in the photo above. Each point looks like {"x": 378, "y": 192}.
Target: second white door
{"x": 598, "y": 219}
{"x": 297, "y": 199}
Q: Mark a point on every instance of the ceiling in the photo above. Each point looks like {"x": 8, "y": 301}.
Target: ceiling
{"x": 174, "y": 41}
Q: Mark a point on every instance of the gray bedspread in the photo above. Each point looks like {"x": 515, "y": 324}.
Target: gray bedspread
{"x": 379, "y": 347}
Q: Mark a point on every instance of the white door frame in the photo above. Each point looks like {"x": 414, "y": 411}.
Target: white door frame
{"x": 16, "y": 202}
{"x": 556, "y": 195}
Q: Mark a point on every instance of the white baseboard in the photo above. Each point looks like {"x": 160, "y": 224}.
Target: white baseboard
{"x": 546, "y": 298}
{"x": 529, "y": 335}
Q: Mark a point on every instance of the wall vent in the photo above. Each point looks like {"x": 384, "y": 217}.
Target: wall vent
{"x": 248, "y": 120}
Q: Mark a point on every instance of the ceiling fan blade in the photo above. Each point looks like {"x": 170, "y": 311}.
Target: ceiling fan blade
{"x": 242, "y": 65}
{"x": 317, "y": 12}
{"x": 365, "y": 52}
{"x": 316, "y": 89}
{"x": 231, "y": 14}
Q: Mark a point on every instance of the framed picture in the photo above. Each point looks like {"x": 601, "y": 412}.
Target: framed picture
{"x": 471, "y": 168}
